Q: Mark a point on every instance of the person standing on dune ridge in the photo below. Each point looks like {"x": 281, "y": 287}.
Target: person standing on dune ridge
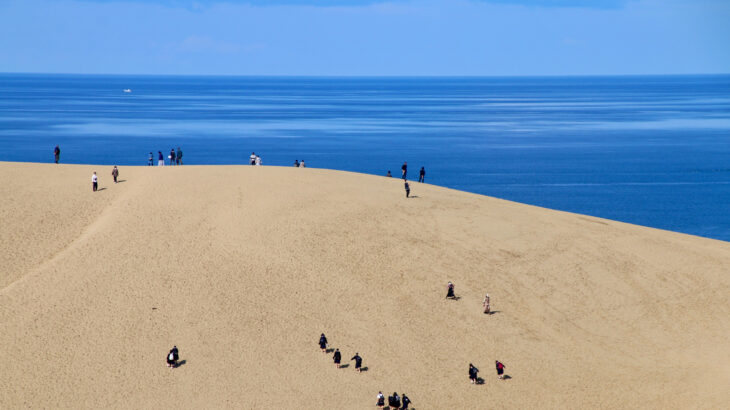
{"x": 115, "y": 173}
{"x": 57, "y": 153}
{"x": 94, "y": 182}
{"x": 404, "y": 170}
{"x": 179, "y": 156}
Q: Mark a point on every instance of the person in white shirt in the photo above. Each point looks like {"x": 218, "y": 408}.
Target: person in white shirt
{"x": 94, "y": 181}
{"x": 252, "y": 158}
{"x": 258, "y": 160}
{"x": 301, "y": 164}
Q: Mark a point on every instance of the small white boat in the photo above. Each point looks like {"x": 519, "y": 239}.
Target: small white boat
{"x": 127, "y": 90}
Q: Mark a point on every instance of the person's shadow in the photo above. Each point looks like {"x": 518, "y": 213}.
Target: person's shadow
{"x": 121, "y": 180}
{"x": 343, "y": 366}
{"x": 100, "y": 189}
{"x": 329, "y": 350}
{"x": 364, "y": 369}
{"x": 506, "y": 377}
{"x": 480, "y": 380}
{"x": 180, "y": 363}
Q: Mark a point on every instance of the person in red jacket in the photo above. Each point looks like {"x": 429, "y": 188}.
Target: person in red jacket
{"x": 500, "y": 369}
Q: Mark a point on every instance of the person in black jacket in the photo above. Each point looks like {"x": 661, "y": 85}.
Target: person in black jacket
{"x": 394, "y": 401}
{"x": 337, "y": 357}
{"x": 404, "y": 170}
{"x": 450, "y": 291}
{"x": 473, "y": 373}
{"x": 358, "y": 362}
{"x": 406, "y": 401}
{"x": 57, "y": 153}
{"x": 323, "y": 343}
{"x": 408, "y": 189}
{"x": 422, "y": 174}
{"x": 172, "y": 357}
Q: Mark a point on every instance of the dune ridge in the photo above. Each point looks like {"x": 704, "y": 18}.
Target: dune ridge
{"x": 243, "y": 267}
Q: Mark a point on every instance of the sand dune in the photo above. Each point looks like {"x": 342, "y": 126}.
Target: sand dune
{"x": 243, "y": 267}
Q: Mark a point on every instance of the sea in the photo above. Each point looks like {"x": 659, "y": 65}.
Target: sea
{"x": 647, "y": 150}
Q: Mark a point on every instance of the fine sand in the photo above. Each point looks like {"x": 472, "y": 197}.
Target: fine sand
{"x": 243, "y": 267}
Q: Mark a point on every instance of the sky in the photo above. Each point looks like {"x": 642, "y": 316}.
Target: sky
{"x": 366, "y": 37}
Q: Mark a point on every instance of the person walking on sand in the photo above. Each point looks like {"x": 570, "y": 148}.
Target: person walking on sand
{"x": 404, "y": 169}
{"x": 323, "y": 343}
{"x": 172, "y": 156}
{"x": 179, "y": 156}
{"x": 500, "y": 369}
{"x": 160, "y": 159}
{"x": 296, "y": 163}
{"x": 252, "y": 159}
{"x": 406, "y": 402}
{"x": 94, "y": 182}
{"x": 115, "y": 173}
{"x": 150, "y": 160}
{"x": 422, "y": 174}
{"x": 408, "y": 189}
{"x": 473, "y": 371}
{"x": 172, "y": 357}
{"x": 388, "y": 174}
{"x": 394, "y": 401}
{"x": 358, "y": 362}
{"x": 486, "y": 305}
{"x": 337, "y": 357}
{"x": 258, "y": 160}
{"x": 381, "y": 400}
{"x": 450, "y": 291}
{"x": 57, "y": 153}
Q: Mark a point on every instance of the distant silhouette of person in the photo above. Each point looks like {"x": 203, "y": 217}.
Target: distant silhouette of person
{"x": 296, "y": 163}
{"x": 301, "y": 164}
{"x": 381, "y": 399}
{"x": 151, "y": 160}
{"x": 406, "y": 401}
{"x": 57, "y": 153}
{"x": 252, "y": 158}
{"x": 337, "y": 357}
{"x": 388, "y": 174}
{"x": 323, "y": 343}
{"x": 473, "y": 371}
{"x": 358, "y": 362}
{"x": 408, "y": 189}
{"x": 172, "y": 156}
{"x": 172, "y": 357}
{"x": 421, "y": 174}
{"x": 94, "y": 182}
{"x": 394, "y": 401}
{"x": 485, "y": 304}
{"x": 160, "y": 159}
{"x": 404, "y": 169}
{"x": 258, "y": 160}
{"x": 500, "y": 369}
{"x": 115, "y": 173}
{"x": 179, "y": 156}
{"x": 450, "y": 291}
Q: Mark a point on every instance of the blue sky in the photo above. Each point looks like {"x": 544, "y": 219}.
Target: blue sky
{"x": 365, "y": 37}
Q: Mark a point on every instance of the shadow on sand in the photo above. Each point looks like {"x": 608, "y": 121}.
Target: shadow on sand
{"x": 180, "y": 363}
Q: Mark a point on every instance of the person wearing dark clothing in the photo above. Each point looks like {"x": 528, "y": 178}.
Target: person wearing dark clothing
{"x": 296, "y": 163}
{"x": 160, "y": 159}
{"x": 94, "y": 182}
{"x": 500, "y": 369}
{"x": 358, "y": 362}
{"x": 404, "y": 169}
{"x": 323, "y": 343}
{"x": 422, "y": 174}
{"x": 473, "y": 373}
{"x": 172, "y": 156}
{"x": 178, "y": 158}
{"x": 172, "y": 358}
{"x": 337, "y": 357}
{"x": 381, "y": 399}
{"x": 150, "y": 160}
{"x": 408, "y": 189}
{"x": 450, "y": 291}
{"x": 406, "y": 401}
{"x": 57, "y": 153}
{"x": 115, "y": 173}
{"x": 388, "y": 174}
{"x": 394, "y": 401}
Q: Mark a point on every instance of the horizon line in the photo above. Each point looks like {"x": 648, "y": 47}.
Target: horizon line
{"x": 365, "y": 76}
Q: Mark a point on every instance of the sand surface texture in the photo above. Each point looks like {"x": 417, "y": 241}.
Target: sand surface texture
{"x": 243, "y": 267}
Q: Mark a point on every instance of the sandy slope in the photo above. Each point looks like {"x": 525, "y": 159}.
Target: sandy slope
{"x": 243, "y": 267}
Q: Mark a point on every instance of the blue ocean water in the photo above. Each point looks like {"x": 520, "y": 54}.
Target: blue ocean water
{"x": 648, "y": 150}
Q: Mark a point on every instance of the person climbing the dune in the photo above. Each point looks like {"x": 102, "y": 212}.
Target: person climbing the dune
{"x": 450, "y": 291}
{"x": 358, "y": 362}
{"x": 323, "y": 343}
{"x": 337, "y": 357}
